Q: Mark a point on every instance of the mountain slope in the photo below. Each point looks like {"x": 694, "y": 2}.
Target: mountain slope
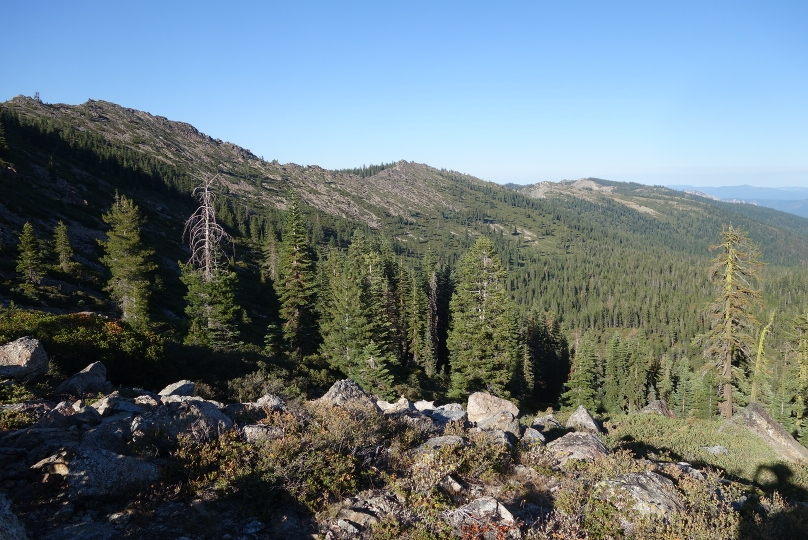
{"x": 600, "y": 254}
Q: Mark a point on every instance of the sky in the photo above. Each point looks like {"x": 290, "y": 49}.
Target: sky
{"x": 699, "y": 93}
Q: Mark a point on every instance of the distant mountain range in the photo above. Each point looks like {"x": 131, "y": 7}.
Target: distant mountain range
{"x": 786, "y": 199}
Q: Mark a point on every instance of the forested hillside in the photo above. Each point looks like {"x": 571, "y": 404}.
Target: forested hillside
{"x": 371, "y": 272}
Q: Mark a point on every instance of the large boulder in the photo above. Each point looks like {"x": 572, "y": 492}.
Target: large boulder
{"x": 503, "y": 421}
{"x": 179, "y": 388}
{"x": 758, "y": 421}
{"x": 659, "y": 407}
{"x": 199, "y": 419}
{"x": 451, "y": 412}
{"x": 91, "y": 379}
{"x": 578, "y": 445}
{"x": 483, "y": 404}
{"x": 10, "y": 526}
{"x": 98, "y": 473}
{"x": 261, "y": 432}
{"x": 581, "y": 420}
{"x": 484, "y": 518}
{"x": 649, "y": 493}
{"x": 23, "y": 359}
{"x": 66, "y": 414}
{"x": 349, "y": 395}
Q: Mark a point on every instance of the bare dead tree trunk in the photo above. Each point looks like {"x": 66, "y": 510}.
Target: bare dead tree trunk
{"x": 204, "y": 234}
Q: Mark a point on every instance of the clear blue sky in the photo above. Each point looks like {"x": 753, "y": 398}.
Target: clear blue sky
{"x": 702, "y": 93}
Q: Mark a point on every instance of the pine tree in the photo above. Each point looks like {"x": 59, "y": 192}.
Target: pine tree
{"x": 212, "y": 309}
{"x": 128, "y": 261}
{"x": 682, "y": 398}
{"x": 798, "y": 344}
{"x": 61, "y": 242}
{"x": 29, "y": 261}
{"x": 665, "y": 385}
{"x": 636, "y": 378}
{"x": 296, "y": 286}
{"x": 483, "y": 339}
{"x": 728, "y": 342}
{"x": 614, "y": 399}
{"x": 583, "y": 382}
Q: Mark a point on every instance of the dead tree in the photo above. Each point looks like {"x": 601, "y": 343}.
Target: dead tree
{"x": 205, "y": 236}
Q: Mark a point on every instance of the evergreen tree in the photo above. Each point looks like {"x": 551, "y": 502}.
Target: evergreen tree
{"x": 728, "y": 342}
{"x": 296, "y": 286}
{"x": 798, "y": 344}
{"x": 682, "y": 398}
{"x": 128, "y": 261}
{"x": 212, "y": 310}
{"x": 665, "y": 385}
{"x": 614, "y": 399}
{"x": 61, "y": 243}
{"x": 636, "y": 377}
{"x": 583, "y": 382}
{"x": 29, "y": 261}
{"x": 483, "y": 339}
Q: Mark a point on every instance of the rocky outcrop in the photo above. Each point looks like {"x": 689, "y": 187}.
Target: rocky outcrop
{"x": 66, "y": 414}
{"x": 649, "y": 493}
{"x": 581, "y": 420}
{"x": 179, "y": 388}
{"x": 532, "y": 436}
{"x": 349, "y": 395}
{"x": 758, "y": 421}
{"x": 546, "y": 423}
{"x": 91, "y": 379}
{"x": 436, "y": 443}
{"x": 503, "y": 421}
{"x": 659, "y": 407}
{"x": 199, "y": 419}
{"x": 579, "y": 445}
{"x": 10, "y": 526}
{"x": 483, "y": 404}
{"x": 484, "y": 518}
{"x": 23, "y": 359}
{"x": 451, "y": 412}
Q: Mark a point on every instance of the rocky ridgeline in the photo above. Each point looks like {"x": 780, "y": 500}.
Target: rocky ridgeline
{"x": 93, "y": 460}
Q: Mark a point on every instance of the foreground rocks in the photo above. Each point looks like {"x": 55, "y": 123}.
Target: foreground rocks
{"x": 91, "y": 379}
{"x": 23, "y": 359}
{"x": 581, "y": 446}
{"x": 10, "y": 526}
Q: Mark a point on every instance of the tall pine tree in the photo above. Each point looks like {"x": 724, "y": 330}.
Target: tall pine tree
{"x": 483, "y": 339}
{"x": 29, "y": 261}
{"x": 128, "y": 261}
{"x": 584, "y": 377}
{"x": 62, "y": 247}
{"x": 296, "y": 286}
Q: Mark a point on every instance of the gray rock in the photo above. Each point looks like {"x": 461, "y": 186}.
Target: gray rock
{"x": 423, "y": 423}
{"x": 86, "y": 415}
{"x": 114, "y": 403}
{"x": 10, "y": 526}
{"x": 659, "y": 407}
{"x": 59, "y": 416}
{"x": 436, "y": 443}
{"x": 503, "y": 421}
{"x": 147, "y": 401}
{"x": 23, "y": 359}
{"x": 91, "y": 379}
{"x": 578, "y": 445}
{"x": 532, "y": 436}
{"x": 498, "y": 436}
{"x": 347, "y": 394}
{"x": 581, "y": 420}
{"x": 199, "y": 419}
{"x": 271, "y": 402}
{"x": 483, "y": 404}
{"x": 253, "y": 527}
{"x": 260, "y": 432}
{"x": 179, "y": 388}
{"x": 165, "y": 400}
{"x": 488, "y": 516}
{"x": 650, "y": 493}
{"x": 38, "y": 408}
{"x": 451, "y": 412}
{"x": 758, "y": 421}
{"x": 715, "y": 450}
{"x": 101, "y": 473}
